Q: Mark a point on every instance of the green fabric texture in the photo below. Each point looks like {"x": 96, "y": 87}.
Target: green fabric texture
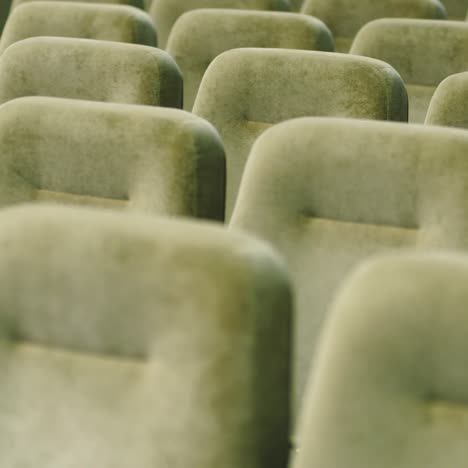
{"x": 346, "y": 17}
{"x": 448, "y": 106}
{"x": 199, "y": 36}
{"x": 165, "y": 12}
{"x": 328, "y": 193}
{"x": 423, "y": 51}
{"x": 391, "y": 382}
{"x": 151, "y": 159}
{"x": 90, "y": 69}
{"x": 132, "y": 341}
{"x": 456, "y": 9}
{"x": 245, "y": 91}
{"x": 135, "y": 3}
{"x": 119, "y": 23}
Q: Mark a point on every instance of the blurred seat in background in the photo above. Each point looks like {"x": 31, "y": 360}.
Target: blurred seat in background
{"x": 424, "y": 52}
{"x": 199, "y": 36}
{"x": 90, "y": 70}
{"x": 346, "y": 17}
{"x": 79, "y": 20}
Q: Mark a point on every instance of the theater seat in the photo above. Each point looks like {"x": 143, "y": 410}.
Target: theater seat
{"x": 328, "y": 193}
{"x": 390, "y": 388}
{"x": 161, "y": 161}
{"x": 346, "y": 17}
{"x": 449, "y": 104}
{"x": 136, "y": 341}
{"x": 199, "y": 36}
{"x": 81, "y": 20}
{"x": 165, "y": 12}
{"x": 89, "y": 69}
{"x": 424, "y": 52}
{"x": 245, "y": 91}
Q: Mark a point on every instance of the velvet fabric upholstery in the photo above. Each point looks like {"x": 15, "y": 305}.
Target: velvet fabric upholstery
{"x": 152, "y": 159}
{"x": 165, "y": 12}
{"x": 328, "y": 193}
{"x": 391, "y": 386}
{"x": 456, "y": 9}
{"x": 138, "y": 341}
{"x": 346, "y": 17}
{"x": 119, "y": 23}
{"x": 245, "y": 91}
{"x": 90, "y": 69}
{"x": 135, "y": 3}
{"x": 424, "y": 52}
{"x": 448, "y": 106}
{"x": 199, "y": 36}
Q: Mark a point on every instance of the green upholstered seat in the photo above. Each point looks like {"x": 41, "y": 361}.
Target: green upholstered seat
{"x": 391, "y": 386}
{"x": 152, "y": 159}
{"x": 423, "y": 51}
{"x": 119, "y": 23}
{"x": 165, "y": 12}
{"x": 135, "y": 3}
{"x": 448, "y": 106}
{"x": 245, "y": 91}
{"x": 328, "y": 193}
{"x": 346, "y": 17}
{"x": 199, "y": 36}
{"x": 132, "y": 341}
{"x": 456, "y": 9}
{"x": 90, "y": 69}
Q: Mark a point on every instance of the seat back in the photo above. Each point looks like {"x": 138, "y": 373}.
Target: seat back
{"x": 448, "y": 105}
{"x": 424, "y": 52}
{"x": 346, "y": 17}
{"x": 138, "y": 341}
{"x": 162, "y": 161}
{"x": 199, "y": 36}
{"x": 90, "y": 70}
{"x": 245, "y": 91}
{"x": 80, "y": 20}
{"x": 391, "y": 386}
{"x": 165, "y": 12}
{"x": 328, "y": 193}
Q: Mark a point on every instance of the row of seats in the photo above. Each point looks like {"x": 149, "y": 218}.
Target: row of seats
{"x": 121, "y": 313}
{"x": 344, "y": 18}
{"x": 241, "y": 109}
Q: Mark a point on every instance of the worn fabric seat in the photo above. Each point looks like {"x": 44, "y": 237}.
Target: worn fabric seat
{"x": 90, "y": 69}
{"x": 424, "y": 52}
{"x": 80, "y": 20}
{"x": 448, "y": 106}
{"x": 346, "y": 17}
{"x": 165, "y": 12}
{"x": 391, "y": 384}
{"x": 138, "y": 341}
{"x": 328, "y": 193}
{"x": 156, "y": 160}
{"x": 199, "y": 36}
{"x": 245, "y": 91}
